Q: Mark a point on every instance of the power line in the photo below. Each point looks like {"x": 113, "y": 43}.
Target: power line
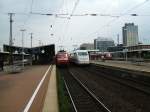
{"x": 135, "y": 7}
{"x": 23, "y": 30}
{"x": 74, "y": 8}
{"x": 123, "y": 14}
{"x": 68, "y": 21}
{"x": 65, "y": 15}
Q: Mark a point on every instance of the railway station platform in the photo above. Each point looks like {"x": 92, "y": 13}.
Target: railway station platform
{"x": 136, "y": 66}
{"x": 32, "y": 90}
{"x": 51, "y": 99}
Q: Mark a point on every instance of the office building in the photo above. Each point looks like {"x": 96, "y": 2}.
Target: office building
{"x": 103, "y": 43}
{"x": 117, "y": 48}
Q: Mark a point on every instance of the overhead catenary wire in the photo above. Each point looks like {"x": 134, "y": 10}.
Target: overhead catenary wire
{"x": 62, "y": 10}
{"x": 56, "y": 16}
{"x": 29, "y": 14}
{"x": 121, "y": 15}
{"x": 74, "y": 8}
{"x": 135, "y": 7}
{"x": 31, "y": 6}
{"x": 69, "y": 18}
{"x": 84, "y": 14}
{"x": 65, "y": 15}
{"x": 66, "y": 24}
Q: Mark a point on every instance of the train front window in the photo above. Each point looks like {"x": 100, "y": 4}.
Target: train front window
{"x": 82, "y": 53}
{"x": 62, "y": 55}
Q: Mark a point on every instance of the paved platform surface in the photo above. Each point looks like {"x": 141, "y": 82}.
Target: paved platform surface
{"x": 144, "y": 67}
{"x": 51, "y": 100}
{"x": 17, "y": 89}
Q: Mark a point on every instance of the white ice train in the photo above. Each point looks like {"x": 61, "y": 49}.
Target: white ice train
{"x": 80, "y": 57}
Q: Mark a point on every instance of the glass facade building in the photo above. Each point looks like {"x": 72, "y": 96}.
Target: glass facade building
{"x": 103, "y": 43}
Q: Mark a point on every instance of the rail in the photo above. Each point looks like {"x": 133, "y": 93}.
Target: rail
{"x": 93, "y": 96}
{"x": 126, "y": 82}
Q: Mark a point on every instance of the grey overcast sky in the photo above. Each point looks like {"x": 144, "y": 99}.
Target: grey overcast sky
{"x": 78, "y": 29}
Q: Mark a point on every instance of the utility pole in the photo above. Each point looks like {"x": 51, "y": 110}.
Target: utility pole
{"x": 31, "y": 39}
{"x": 22, "y": 30}
{"x": 118, "y": 38}
{"x": 40, "y": 43}
{"x": 31, "y": 47}
{"x": 10, "y": 39}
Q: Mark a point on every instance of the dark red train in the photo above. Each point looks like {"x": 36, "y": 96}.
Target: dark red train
{"x": 108, "y": 56}
{"x": 62, "y": 58}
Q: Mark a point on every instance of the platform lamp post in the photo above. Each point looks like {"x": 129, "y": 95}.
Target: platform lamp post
{"x": 23, "y": 30}
{"x": 140, "y": 55}
{"x": 126, "y": 55}
{"x": 31, "y": 47}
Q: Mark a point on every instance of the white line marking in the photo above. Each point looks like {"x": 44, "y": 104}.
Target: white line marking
{"x": 36, "y": 91}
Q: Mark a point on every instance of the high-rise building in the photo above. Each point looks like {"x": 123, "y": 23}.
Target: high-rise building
{"x": 103, "y": 43}
{"x": 130, "y": 34}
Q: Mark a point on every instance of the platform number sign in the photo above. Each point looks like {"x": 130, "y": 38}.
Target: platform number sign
{"x": 43, "y": 51}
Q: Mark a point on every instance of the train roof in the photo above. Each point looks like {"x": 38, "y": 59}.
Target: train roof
{"x": 61, "y": 51}
{"x": 79, "y": 51}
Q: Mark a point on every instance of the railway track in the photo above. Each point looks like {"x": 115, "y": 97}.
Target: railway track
{"x": 82, "y": 98}
{"x": 138, "y": 85}
{"x": 117, "y": 97}
{"x": 136, "y": 76}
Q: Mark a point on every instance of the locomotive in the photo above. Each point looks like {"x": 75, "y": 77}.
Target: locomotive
{"x": 80, "y": 57}
{"x": 62, "y": 58}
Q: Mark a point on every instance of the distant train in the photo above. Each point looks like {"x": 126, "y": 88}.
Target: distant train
{"x": 107, "y": 56}
{"x": 80, "y": 57}
{"x": 62, "y": 58}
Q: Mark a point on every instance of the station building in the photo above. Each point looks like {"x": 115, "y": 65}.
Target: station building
{"x": 137, "y": 52}
{"x": 40, "y": 54}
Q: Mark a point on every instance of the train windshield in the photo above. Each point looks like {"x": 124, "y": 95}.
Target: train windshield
{"x": 82, "y": 53}
{"x": 62, "y": 55}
